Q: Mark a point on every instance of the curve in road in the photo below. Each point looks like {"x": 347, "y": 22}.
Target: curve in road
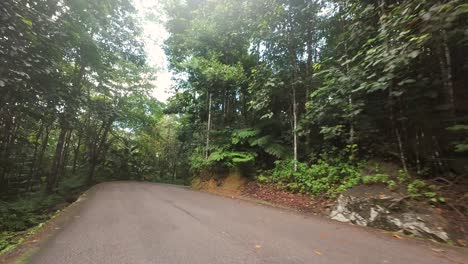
{"x": 132, "y": 222}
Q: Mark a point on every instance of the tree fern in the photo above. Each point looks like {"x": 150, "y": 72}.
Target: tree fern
{"x": 270, "y": 146}
{"x": 241, "y": 135}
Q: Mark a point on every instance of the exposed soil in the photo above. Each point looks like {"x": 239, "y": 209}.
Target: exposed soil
{"x": 455, "y": 209}
{"x": 272, "y": 194}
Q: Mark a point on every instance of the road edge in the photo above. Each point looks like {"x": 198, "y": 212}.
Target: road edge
{"x": 42, "y": 233}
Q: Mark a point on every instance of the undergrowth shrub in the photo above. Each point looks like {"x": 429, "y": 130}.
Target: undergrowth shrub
{"x": 32, "y": 209}
{"x": 419, "y": 189}
{"x": 326, "y": 176}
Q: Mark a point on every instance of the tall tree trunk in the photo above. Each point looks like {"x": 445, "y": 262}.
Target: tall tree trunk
{"x": 309, "y": 64}
{"x": 295, "y": 127}
{"x": 80, "y": 68}
{"x": 58, "y": 160}
{"x": 447, "y": 76}
{"x": 401, "y": 148}
{"x": 350, "y": 100}
{"x": 34, "y": 158}
{"x": 225, "y": 103}
{"x": 5, "y": 150}
{"x": 208, "y": 128}
{"x": 62, "y": 168}
{"x": 417, "y": 153}
{"x": 76, "y": 151}
{"x": 97, "y": 149}
{"x": 37, "y": 169}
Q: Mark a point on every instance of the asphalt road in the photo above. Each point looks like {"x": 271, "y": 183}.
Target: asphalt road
{"x": 130, "y": 222}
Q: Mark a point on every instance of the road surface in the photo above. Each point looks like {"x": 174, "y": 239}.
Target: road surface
{"x": 131, "y": 222}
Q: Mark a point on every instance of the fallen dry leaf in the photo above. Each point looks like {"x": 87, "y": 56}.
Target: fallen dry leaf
{"x": 382, "y": 196}
{"x": 437, "y": 250}
{"x": 323, "y": 235}
{"x": 462, "y": 242}
{"x": 397, "y": 236}
{"x": 258, "y": 246}
{"x": 318, "y": 252}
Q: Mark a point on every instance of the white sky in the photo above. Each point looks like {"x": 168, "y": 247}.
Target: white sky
{"x": 154, "y": 36}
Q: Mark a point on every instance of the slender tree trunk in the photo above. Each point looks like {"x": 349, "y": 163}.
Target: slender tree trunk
{"x": 225, "y": 103}
{"x": 80, "y": 68}
{"x": 208, "y": 128}
{"x": 350, "y": 101}
{"x": 309, "y": 64}
{"x": 97, "y": 149}
{"x": 34, "y": 158}
{"x": 174, "y": 171}
{"x": 391, "y": 101}
{"x": 58, "y": 160}
{"x": 447, "y": 77}
{"x": 76, "y": 151}
{"x": 37, "y": 169}
{"x": 295, "y": 127}
{"x": 402, "y": 151}
{"x": 351, "y": 123}
{"x": 5, "y": 154}
{"x": 63, "y": 164}
{"x": 417, "y": 153}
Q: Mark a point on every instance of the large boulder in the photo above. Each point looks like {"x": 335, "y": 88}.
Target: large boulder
{"x": 376, "y": 206}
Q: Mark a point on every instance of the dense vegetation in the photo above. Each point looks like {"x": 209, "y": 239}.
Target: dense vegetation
{"x": 297, "y": 93}
{"x": 305, "y": 91}
{"x": 74, "y": 106}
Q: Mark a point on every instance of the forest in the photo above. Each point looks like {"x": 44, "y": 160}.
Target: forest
{"x": 301, "y": 94}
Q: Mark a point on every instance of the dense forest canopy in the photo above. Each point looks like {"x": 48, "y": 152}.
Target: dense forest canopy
{"x": 75, "y": 98}
{"x": 298, "y": 92}
{"x": 280, "y": 80}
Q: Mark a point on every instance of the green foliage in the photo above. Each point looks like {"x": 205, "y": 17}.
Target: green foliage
{"x": 262, "y": 179}
{"x": 255, "y": 139}
{"x": 460, "y": 146}
{"x": 380, "y": 178}
{"x": 32, "y": 210}
{"x": 376, "y": 178}
{"x": 74, "y": 83}
{"x": 22, "y": 214}
{"x": 231, "y": 159}
{"x": 198, "y": 162}
{"x": 402, "y": 176}
{"x": 419, "y": 189}
{"x": 322, "y": 178}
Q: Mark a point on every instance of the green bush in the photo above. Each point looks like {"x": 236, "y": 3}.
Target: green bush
{"x": 403, "y": 176}
{"x": 322, "y": 178}
{"x": 26, "y": 212}
{"x": 380, "y": 178}
{"x": 419, "y": 189}
{"x": 262, "y": 179}
{"x": 31, "y": 210}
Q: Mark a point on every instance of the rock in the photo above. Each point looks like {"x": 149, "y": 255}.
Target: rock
{"x": 376, "y": 206}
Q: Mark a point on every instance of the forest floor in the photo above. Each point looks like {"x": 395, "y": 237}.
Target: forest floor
{"x": 274, "y": 195}
{"x": 22, "y": 217}
{"x": 235, "y": 186}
